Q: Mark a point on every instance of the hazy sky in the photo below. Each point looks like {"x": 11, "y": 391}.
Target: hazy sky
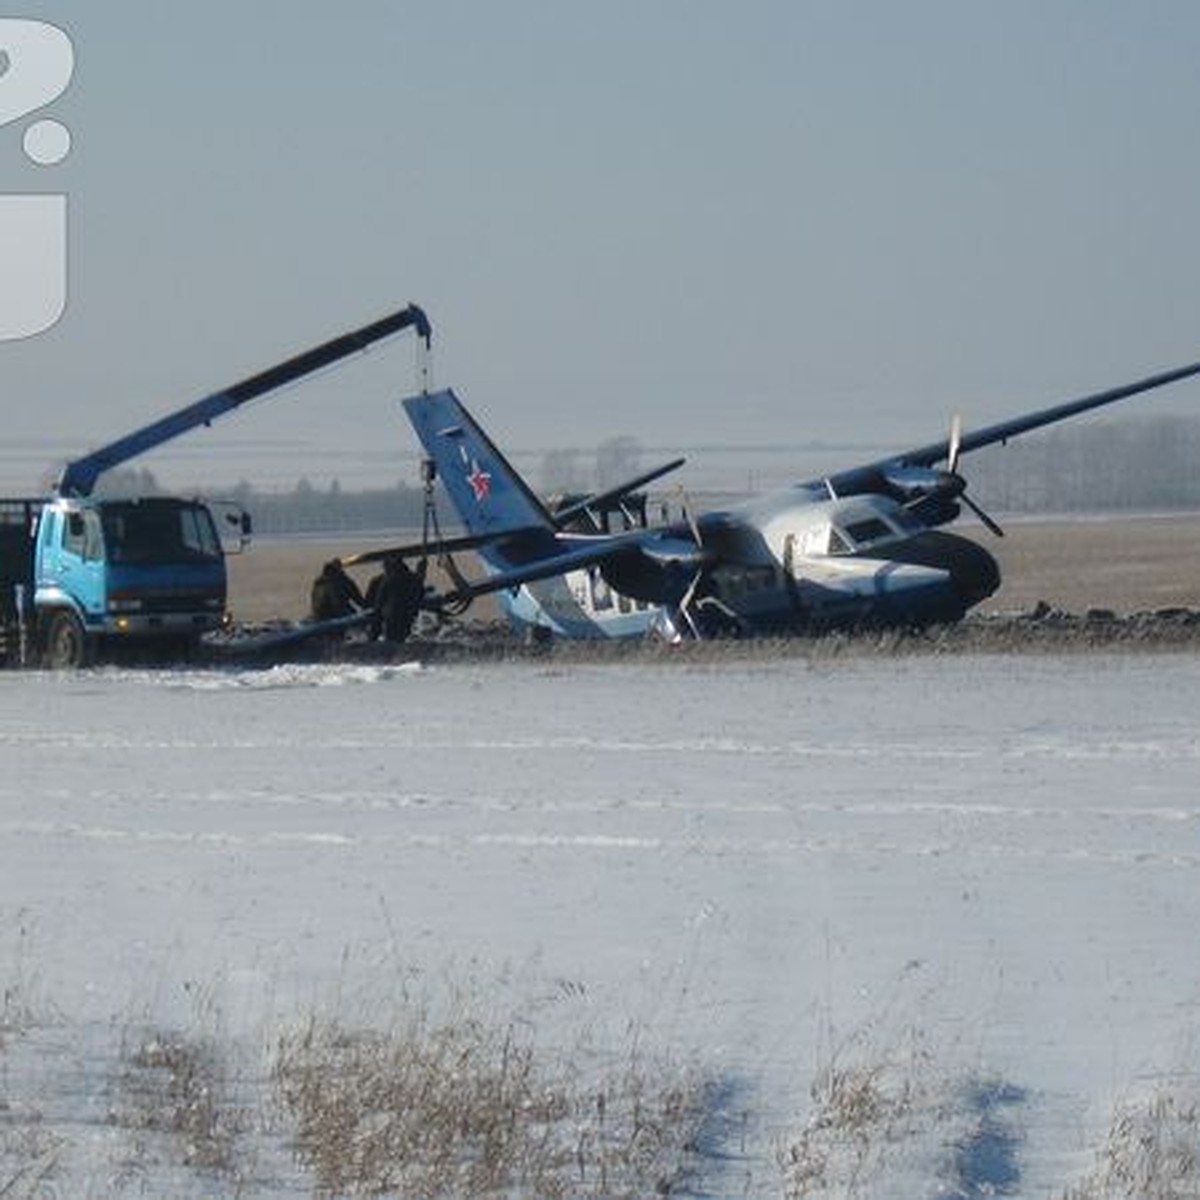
{"x": 689, "y": 222}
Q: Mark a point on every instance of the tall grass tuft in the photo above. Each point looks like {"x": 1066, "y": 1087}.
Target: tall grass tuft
{"x": 1152, "y": 1153}
{"x": 472, "y": 1109}
{"x": 177, "y": 1087}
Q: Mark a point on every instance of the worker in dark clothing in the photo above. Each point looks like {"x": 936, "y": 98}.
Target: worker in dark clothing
{"x": 335, "y": 594}
{"x": 394, "y": 598}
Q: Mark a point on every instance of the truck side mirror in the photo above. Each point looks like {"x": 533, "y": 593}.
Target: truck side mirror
{"x": 240, "y": 520}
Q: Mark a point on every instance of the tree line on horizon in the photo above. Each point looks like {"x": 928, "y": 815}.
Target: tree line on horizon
{"x": 1136, "y": 464}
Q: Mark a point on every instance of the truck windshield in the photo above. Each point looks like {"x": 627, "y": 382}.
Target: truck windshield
{"x": 159, "y": 533}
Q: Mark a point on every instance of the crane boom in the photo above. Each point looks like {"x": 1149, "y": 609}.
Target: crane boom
{"x": 80, "y": 475}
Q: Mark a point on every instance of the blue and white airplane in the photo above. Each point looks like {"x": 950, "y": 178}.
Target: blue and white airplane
{"x": 859, "y": 547}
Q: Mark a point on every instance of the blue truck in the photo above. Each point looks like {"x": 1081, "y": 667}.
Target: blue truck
{"x": 82, "y": 575}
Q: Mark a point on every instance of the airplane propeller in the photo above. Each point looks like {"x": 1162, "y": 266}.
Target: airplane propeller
{"x": 926, "y": 487}
{"x": 957, "y": 484}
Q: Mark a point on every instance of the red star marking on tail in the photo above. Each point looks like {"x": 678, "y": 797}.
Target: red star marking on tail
{"x": 480, "y": 481}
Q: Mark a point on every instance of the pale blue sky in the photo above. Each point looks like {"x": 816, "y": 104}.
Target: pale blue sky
{"x": 688, "y": 222}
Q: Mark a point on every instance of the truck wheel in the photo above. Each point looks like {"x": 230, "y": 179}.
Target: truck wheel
{"x": 66, "y": 643}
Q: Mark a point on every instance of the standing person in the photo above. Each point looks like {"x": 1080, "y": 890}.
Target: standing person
{"x": 394, "y": 598}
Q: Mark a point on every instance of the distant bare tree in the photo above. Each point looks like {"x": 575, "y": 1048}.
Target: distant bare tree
{"x": 617, "y": 459}
{"x": 561, "y": 472}
{"x": 1136, "y": 463}
{"x": 128, "y": 481}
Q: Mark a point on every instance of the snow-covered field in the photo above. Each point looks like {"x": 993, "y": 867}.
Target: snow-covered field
{"x": 972, "y": 881}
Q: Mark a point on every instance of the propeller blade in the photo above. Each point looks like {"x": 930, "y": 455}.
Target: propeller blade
{"x": 685, "y": 605}
{"x": 981, "y": 514}
{"x": 957, "y": 485}
{"x": 686, "y": 502}
{"x": 955, "y": 444}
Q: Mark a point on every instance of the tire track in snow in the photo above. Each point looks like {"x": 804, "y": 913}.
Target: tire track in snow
{"x": 429, "y": 801}
{"x": 684, "y": 844}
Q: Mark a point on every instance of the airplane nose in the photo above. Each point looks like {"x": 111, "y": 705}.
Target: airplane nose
{"x": 972, "y": 570}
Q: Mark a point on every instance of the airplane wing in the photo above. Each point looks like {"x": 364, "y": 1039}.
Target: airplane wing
{"x": 577, "y": 552}
{"x": 846, "y": 482}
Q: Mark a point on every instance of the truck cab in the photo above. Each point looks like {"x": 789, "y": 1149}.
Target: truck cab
{"x": 151, "y": 568}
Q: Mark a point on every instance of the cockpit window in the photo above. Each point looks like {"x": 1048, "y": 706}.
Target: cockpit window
{"x": 863, "y": 533}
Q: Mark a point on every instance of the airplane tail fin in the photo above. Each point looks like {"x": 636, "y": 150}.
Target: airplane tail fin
{"x": 491, "y": 499}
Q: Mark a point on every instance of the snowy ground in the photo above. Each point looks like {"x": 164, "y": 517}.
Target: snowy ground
{"x": 978, "y": 877}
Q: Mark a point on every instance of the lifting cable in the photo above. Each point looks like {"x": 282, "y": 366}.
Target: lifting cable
{"x": 454, "y": 606}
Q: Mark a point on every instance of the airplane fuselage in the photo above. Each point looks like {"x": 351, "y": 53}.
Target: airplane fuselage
{"x": 789, "y": 562}
{"x": 862, "y": 546}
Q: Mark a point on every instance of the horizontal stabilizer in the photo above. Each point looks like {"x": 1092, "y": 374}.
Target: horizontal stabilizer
{"x": 417, "y": 550}
{"x": 564, "y": 516}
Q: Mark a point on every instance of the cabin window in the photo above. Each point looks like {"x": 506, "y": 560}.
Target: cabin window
{"x": 732, "y": 583}
{"x": 863, "y": 533}
{"x": 602, "y": 597}
{"x": 838, "y": 544}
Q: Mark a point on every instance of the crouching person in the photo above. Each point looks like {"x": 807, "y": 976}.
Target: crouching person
{"x": 334, "y": 594}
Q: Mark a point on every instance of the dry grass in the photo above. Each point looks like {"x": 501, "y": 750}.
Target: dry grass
{"x": 22, "y": 1002}
{"x": 460, "y": 1105}
{"x": 29, "y": 1149}
{"x": 29, "y": 1157}
{"x": 1127, "y": 563}
{"x": 473, "y": 1109}
{"x": 178, "y": 1087}
{"x": 864, "y": 1107}
{"x": 1152, "y": 1153}
{"x": 419, "y": 1113}
{"x": 445, "y": 1100}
